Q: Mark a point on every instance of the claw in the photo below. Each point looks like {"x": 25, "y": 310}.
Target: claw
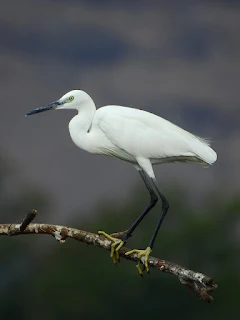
{"x": 116, "y": 245}
{"x": 142, "y": 256}
{"x": 140, "y": 271}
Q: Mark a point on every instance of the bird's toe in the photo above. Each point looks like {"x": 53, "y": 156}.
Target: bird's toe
{"x": 116, "y": 245}
{"x": 142, "y": 256}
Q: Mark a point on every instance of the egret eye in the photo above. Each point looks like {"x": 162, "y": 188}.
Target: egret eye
{"x": 71, "y": 98}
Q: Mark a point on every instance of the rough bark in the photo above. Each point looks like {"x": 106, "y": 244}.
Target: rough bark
{"x": 199, "y": 283}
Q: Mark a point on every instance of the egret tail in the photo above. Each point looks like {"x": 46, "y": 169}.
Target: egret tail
{"x": 206, "y": 154}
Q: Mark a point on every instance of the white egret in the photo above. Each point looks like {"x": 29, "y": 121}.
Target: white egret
{"x": 138, "y": 137}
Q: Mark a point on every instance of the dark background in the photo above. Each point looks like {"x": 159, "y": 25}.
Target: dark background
{"x": 178, "y": 59}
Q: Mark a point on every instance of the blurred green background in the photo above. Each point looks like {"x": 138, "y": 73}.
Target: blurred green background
{"x": 41, "y": 279}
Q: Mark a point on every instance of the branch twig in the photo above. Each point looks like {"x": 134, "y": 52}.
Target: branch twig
{"x": 199, "y": 283}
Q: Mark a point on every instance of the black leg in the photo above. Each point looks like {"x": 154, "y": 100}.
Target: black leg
{"x": 165, "y": 206}
{"x": 152, "y": 203}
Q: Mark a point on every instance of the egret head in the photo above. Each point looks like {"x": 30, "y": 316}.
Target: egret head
{"x": 72, "y": 100}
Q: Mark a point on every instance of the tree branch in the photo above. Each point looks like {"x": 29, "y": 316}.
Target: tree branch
{"x": 199, "y": 283}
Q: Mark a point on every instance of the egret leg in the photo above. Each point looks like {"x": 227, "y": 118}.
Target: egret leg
{"x": 143, "y": 255}
{"x": 151, "y": 204}
{"x": 117, "y": 244}
{"x": 165, "y": 207}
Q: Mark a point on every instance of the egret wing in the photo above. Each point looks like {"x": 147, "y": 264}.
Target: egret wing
{"x": 142, "y": 134}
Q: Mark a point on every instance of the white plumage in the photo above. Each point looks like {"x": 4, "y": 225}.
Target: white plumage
{"x": 134, "y": 135}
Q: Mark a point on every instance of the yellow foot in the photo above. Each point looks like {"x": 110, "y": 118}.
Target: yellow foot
{"x": 142, "y": 258}
{"x": 115, "y": 246}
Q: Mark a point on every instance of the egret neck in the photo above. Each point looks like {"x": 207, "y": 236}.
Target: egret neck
{"x": 80, "y": 125}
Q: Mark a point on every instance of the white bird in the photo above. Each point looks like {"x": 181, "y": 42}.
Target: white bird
{"x": 136, "y": 136}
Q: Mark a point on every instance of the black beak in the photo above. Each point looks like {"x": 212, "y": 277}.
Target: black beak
{"x": 50, "y": 106}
